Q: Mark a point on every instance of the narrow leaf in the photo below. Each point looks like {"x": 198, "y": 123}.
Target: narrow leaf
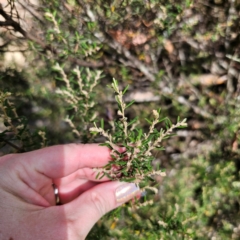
{"x": 149, "y": 121}
{"x": 129, "y": 104}
{"x": 102, "y": 123}
{"x": 129, "y": 180}
{"x": 162, "y": 119}
{"x": 102, "y": 176}
{"x": 97, "y": 175}
{"x": 126, "y": 88}
{"x": 133, "y": 121}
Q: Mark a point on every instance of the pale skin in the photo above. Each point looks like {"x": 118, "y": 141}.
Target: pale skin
{"x": 27, "y": 201}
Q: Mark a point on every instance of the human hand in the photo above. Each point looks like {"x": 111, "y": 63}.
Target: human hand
{"x": 27, "y": 200}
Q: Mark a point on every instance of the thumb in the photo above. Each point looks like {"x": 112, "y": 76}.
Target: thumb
{"x": 89, "y": 207}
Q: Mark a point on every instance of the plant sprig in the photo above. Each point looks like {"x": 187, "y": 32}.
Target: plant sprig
{"x": 15, "y": 131}
{"x": 135, "y": 163}
{"x": 78, "y": 95}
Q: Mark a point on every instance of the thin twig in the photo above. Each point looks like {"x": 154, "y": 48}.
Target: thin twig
{"x": 13, "y": 145}
{"x": 17, "y": 28}
{"x": 32, "y": 12}
{"x": 147, "y": 71}
{"x": 196, "y": 109}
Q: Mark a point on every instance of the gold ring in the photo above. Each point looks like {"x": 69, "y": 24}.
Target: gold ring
{"x": 56, "y": 193}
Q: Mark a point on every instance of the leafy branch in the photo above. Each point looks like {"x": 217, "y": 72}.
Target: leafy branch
{"x": 135, "y": 163}
{"x": 79, "y": 98}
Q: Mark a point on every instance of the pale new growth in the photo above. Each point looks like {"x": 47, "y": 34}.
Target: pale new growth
{"x": 121, "y": 111}
{"x": 80, "y": 81}
{"x": 144, "y": 204}
{"x": 56, "y": 28}
{"x": 58, "y": 68}
{"x": 52, "y": 19}
{"x": 79, "y": 99}
{"x": 165, "y": 133}
{"x": 71, "y": 124}
{"x": 91, "y": 50}
{"x": 42, "y": 134}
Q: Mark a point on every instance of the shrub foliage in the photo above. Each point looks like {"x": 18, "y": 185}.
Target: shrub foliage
{"x": 180, "y": 56}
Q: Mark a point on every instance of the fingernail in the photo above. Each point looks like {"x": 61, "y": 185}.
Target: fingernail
{"x": 126, "y": 192}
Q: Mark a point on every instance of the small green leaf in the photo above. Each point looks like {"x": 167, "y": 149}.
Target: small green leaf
{"x": 140, "y": 134}
{"x": 129, "y": 104}
{"x": 168, "y": 123}
{"x": 97, "y": 175}
{"x": 102, "y": 176}
{"x": 108, "y": 175}
{"x": 162, "y": 119}
{"x": 102, "y": 123}
{"x": 149, "y": 178}
{"x": 133, "y": 121}
{"x": 126, "y": 88}
{"x": 149, "y": 121}
{"x": 129, "y": 179}
{"x": 122, "y": 163}
{"x": 160, "y": 148}
{"x": 115, "y": 85}
{"x": 105, "y": 144}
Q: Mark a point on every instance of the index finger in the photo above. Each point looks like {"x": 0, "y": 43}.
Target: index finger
{"x": 62, "y": 160}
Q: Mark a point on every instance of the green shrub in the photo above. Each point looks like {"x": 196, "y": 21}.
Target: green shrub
{"x": 184, "y": 55}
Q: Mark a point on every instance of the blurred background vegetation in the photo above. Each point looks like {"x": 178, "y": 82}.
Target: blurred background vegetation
{"x": 180, "y": 55}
